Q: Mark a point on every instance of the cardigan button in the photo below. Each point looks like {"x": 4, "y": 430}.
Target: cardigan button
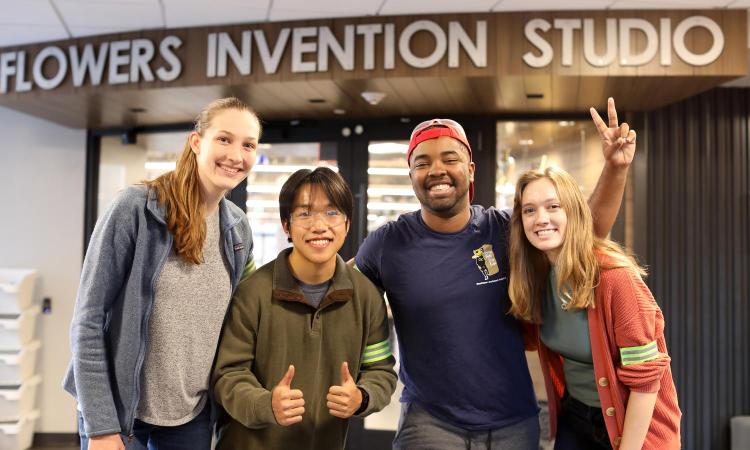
{"x": 610, "y": 411}
{"x": 603, "y": 382}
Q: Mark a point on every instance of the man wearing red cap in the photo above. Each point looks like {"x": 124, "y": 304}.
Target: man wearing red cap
{"x": 444, "y": 269}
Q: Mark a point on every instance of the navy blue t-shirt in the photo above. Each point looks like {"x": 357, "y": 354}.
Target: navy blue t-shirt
{"x": 462, "y": 355}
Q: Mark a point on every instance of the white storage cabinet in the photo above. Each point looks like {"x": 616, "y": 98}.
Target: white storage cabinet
{"x": 19, "y": 355}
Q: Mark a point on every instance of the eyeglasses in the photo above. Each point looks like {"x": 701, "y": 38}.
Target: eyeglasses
{"x": 306, "y": 219}
{"x": 437, "y": 123}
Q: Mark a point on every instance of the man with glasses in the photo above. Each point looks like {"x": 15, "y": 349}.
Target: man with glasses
{"x": 305, "y": 343}
{"x": 444, "y": 270}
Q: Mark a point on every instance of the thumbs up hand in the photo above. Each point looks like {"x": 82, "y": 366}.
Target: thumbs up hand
{"x": 344, "y": 400}
{"x": 287, "y": 403}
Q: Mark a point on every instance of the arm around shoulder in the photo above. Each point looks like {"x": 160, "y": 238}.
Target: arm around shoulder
{"x": 368, "y": 257}
{"x": 234, "y": 384}
{"x": 376, "y": 375}
{"x": 250, "y": 260}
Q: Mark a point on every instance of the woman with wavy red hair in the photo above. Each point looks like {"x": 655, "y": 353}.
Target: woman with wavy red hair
{"x": 157, "y": 279}
{"x": 598, "y": 329}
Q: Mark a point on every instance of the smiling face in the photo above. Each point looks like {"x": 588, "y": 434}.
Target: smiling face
{"x": 544, "y": 219}
{"x": 317, "y": 229}
{"x": 440, "y": 173}
{"x": 225, "y": 152}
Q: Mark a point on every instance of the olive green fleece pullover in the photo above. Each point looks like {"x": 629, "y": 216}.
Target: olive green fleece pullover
{"x": 270, "y": 326}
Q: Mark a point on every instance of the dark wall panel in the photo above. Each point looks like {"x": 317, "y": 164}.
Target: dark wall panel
{"x": 697, "y": 249}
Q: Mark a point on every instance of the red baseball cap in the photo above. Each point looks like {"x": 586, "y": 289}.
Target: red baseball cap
{"x": 435, "y": 128}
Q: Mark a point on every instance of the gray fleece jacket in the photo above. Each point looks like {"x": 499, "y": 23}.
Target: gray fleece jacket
{"x": 109, "y": 331}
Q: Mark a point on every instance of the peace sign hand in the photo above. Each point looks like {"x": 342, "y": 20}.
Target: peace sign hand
{"x": 618, "y": 141}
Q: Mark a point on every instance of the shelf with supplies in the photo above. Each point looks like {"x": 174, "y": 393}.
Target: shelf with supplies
{"x": 20, "y": 351}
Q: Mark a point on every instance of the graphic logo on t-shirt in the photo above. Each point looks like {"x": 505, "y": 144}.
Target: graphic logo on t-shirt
{"x": 485, "y": 260}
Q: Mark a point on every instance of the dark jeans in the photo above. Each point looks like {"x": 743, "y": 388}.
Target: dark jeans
{"x": 194, "y": 435}
{"x": 580, "y": 426}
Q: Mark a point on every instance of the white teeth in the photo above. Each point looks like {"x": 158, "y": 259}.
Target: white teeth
{"x": 544, "y": 232}
{"x": 229, "y": 169}
{"x": 440, "y": 187}
{"x": 319, "y": 242}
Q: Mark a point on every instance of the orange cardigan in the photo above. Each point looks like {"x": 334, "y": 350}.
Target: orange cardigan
{"x": 626, "y": 315}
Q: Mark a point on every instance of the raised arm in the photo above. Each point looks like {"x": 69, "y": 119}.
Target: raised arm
{"x": 618, "y": 147}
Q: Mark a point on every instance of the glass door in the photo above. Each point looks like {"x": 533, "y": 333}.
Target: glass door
{"x": 275, "y": 163}
{"x": 389, "y": 194}
{"x": 521, "y": 145}
{"x": 155, "y": 153}
{"x": 389, "y": 191}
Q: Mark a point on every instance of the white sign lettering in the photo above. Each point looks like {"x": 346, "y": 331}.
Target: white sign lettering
{"x": 311, "y": 47}
{"x": 618, "y": 34}
{"x": 366, "y": 47}
{"x": 89, "y": 63}
{"x": 127, "y": 61}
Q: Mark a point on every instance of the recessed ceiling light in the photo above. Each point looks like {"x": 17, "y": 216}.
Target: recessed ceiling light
{"x": 384, "y": 148}
{"x": 339, "y": 111}
{"x": 160, "y": 165}
{"x": 373, "y": 97}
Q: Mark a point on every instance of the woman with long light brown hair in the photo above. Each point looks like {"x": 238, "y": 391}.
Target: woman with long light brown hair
{"x": 598, "y": 329}
{"x": 158, "y": 275}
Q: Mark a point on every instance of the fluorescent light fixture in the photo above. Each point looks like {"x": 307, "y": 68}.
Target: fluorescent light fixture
{"x": 505, "y": 189}
{"x": 160, "y": 165}
{"x": 256, "y": 216}
{"x": 391, "y": 206}
{"x": 278, "y": 168}
{"x": 374, "y": 206}
{"x": 387, "y": 171}
{"x": 262, "y": 203}
{"x": 543, "y": 162}
{"x": 263, "y": 189}
{"x": 526, "y": 142}
{"x": 387, "y": 148}
{"x": 379, "y": 192}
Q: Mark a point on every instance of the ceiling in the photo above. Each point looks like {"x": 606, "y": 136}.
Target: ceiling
{"x": 33, "y": 21}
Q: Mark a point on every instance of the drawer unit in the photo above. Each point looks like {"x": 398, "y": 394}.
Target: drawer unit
{"x": 18, "y": 330}
{"x": 17, "y": 290}
{"x": 18, "y": 366}
{"x": 19, "y": 401}
{"x": 18, "y": 435}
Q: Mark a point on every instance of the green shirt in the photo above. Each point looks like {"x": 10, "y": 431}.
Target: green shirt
{"x": 269, "y": 327}
{"x": 566, "y": 332}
